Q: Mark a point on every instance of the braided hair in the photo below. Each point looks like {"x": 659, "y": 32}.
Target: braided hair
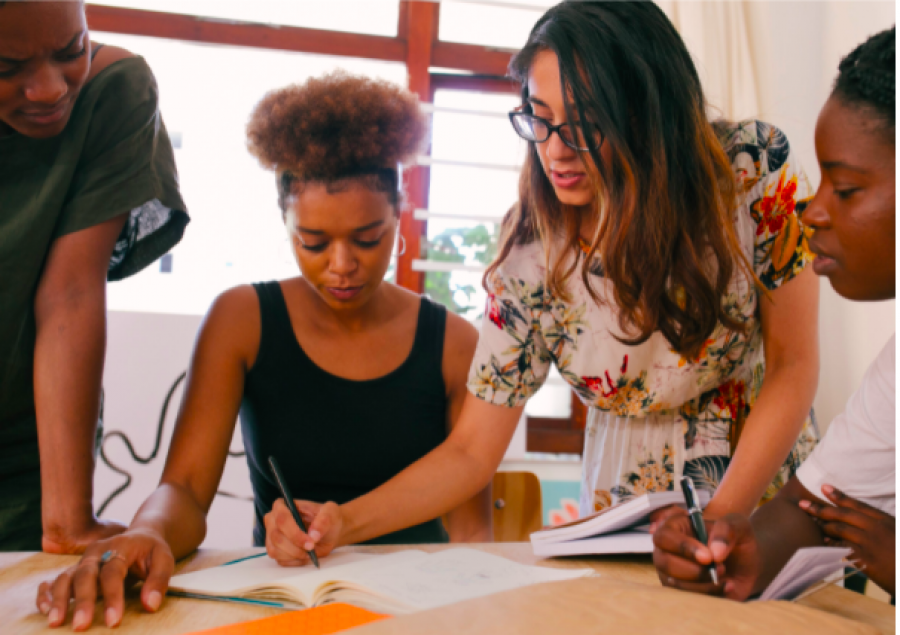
{"x": 867, "y": 78}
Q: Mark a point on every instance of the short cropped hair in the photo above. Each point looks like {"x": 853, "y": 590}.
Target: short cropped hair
{"x": 867, "y": 78}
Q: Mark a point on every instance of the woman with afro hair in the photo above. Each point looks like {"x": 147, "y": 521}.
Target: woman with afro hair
{"x": 342, "y": 377}
{"x": 845, "y": 493}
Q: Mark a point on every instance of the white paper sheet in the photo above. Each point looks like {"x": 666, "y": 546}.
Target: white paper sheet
{"x": 807, "y": 566}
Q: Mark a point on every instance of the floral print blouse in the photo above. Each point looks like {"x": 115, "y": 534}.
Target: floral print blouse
{"x": 655, "y": 414}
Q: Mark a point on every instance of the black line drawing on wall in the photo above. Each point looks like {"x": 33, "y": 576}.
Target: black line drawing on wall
{"x": 145, "y": 460}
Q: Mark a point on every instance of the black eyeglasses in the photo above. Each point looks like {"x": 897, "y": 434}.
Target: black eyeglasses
{"x": 537, "y": 129}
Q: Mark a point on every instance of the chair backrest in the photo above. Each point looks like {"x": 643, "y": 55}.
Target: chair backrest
{"x": 517, "y": 506}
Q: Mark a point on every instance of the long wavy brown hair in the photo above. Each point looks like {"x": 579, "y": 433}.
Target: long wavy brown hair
{"x": 665, "y": 202}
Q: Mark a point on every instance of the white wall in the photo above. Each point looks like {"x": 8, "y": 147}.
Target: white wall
{"x": 146, "y": 352}
{"x": 796, "y": 48}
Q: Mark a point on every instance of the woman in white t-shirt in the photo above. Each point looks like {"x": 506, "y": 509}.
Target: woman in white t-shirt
{"x": 844, "y": 494}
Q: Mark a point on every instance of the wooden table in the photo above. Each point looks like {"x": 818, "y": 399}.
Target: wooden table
{"x": 627, "y": 597}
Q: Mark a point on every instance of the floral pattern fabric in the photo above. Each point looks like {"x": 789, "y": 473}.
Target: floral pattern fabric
{"x": 655, "y": 414}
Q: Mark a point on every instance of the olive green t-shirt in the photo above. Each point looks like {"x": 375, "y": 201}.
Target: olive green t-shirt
{"x": 113, "y": 157}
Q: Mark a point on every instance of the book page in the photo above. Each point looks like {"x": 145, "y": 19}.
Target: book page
{"x": 315, "y": 584}
{"x": 808, "y": 565}
{"x": 450, "y": 576}
{"x": 255, "y": 573}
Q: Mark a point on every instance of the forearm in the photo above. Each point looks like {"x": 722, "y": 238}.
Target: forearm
{"x": 473, "y": 520}
{"x": 440, "y": 481}
{"x": 172, "y": 513}
{"x": 769, "y": 434}
{"x": 68, "y": 367}
{"x": 781, "y": 528}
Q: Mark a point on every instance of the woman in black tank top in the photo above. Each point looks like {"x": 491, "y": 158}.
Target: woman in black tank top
{"x": 337, "y": 438}
{"x": 345, "y": 379}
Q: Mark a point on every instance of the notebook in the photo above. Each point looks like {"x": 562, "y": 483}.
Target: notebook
{"x": 395, "y": 583}
{"x": 621, "y": 528}
{"x": 806, "y": 566}
{"x": 322, "y": 620}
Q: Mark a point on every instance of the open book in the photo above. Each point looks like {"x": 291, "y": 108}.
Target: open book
{"x": 395, "y": 583}
{"x": 621, "y": 528}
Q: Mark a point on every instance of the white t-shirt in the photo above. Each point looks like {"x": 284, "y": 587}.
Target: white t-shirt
{"x": 857, "y": 455}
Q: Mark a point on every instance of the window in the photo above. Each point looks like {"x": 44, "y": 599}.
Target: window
{"x": 475, "y": 21}
{"x": 475, "y": 161}
{"x": 467, "y": 199}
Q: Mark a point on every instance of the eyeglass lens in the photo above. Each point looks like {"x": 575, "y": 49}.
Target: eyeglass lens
{"x": 533, "y": 128}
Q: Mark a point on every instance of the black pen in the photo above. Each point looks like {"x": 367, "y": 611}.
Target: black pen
{"x": 693, "y": 506}
{"x": 289, "y": 501}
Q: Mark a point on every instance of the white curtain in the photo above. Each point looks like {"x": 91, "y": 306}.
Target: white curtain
{"x": 716, "y": 34}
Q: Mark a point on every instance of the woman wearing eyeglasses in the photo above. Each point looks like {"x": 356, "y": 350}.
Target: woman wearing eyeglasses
{"x": 657, "y": 260}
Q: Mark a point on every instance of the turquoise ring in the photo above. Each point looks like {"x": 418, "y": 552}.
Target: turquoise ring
{"x": 110, "y": 555}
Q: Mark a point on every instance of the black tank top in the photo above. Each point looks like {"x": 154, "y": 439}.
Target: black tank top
{"x": 336, "y": 439}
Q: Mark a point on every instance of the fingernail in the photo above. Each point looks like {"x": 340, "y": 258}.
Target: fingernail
{"x": 652, "y": 528}
{"x": 112, "y": 616}
{"x": 53, "y": 618}
{"x": 804, "y": 504}
{"x": 315, "y": 535}
{"x": 44, "y": 607}
{"x": 80, "y": 620}
{"x": 309, "y": 546}
{"x": 154, "y": 600}
{"x": 828, "y": 489}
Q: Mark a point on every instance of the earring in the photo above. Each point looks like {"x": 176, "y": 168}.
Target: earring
{"x": 403, "y": 246}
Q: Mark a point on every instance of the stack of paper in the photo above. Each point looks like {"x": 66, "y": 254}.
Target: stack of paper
{"x": 621, "y": 528}
{"x": 805, "y": 567}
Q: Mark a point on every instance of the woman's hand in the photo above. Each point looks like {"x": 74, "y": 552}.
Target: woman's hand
{"x": 287, "y": 544}
{"x": 75, "y": 543}
{"x": 659, "y": 516}
{"x": 869, "y": 532}
{"x": 137, "y": 554}
{"x": 683, "y": 562}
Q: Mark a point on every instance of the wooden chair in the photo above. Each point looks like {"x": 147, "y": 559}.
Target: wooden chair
{"x": 517, "y": 506}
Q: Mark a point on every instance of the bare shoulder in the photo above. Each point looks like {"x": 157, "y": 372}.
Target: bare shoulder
{"x": 105, "y": 57}
{"x": 233, "y": 322}
{"x": 460, "y": 339}
{"x": 460, "y": 334}
{"x": 238, "y": 306}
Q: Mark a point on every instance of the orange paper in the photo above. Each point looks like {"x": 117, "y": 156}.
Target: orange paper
{"x": 321, "y": 620}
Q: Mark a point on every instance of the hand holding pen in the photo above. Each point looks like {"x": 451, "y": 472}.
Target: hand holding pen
{"x": 289, "y": 502}
{"x": 692, "y": 502}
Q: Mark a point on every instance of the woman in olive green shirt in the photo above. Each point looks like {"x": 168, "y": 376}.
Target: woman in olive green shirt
{"x": 88, "y": 192}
